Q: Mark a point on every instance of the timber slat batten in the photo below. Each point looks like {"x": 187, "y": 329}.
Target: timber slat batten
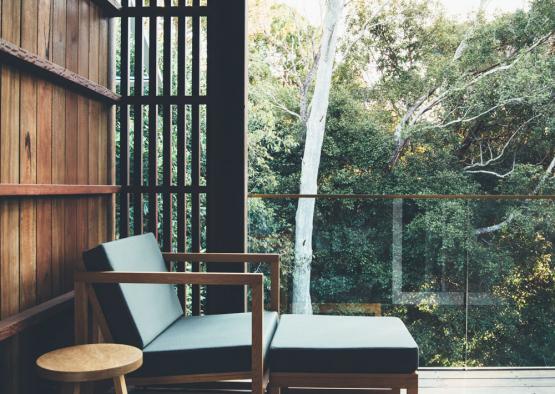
{"x": 110, "y": 6}
{"x": 26, "y": 60}
{"x": 34, "y": 190}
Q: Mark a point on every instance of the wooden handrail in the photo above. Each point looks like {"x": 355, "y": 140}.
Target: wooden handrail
{"x": 13, "y": 325}
{"x": 52, "y": 72}
{"x": 405, "y": 196}
{"x": 32, "y": 190}
{"x": 177, "y": 278}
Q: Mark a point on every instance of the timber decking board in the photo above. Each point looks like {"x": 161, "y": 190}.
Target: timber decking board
{"x": 446, "y": 381}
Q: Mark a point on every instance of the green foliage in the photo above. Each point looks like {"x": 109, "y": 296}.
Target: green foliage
{"x": 495, "y": 114}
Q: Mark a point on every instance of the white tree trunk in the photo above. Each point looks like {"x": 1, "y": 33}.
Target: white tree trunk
{"x": 315, "y": 128}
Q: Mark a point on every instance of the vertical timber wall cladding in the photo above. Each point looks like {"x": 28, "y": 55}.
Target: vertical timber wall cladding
{"x": 49, "y": 134}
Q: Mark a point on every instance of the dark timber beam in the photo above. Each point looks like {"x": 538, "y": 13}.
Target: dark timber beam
{"x": 164, "y": 100}
{"x": 52, "y": 72}
{"x": 226, "y": 155}
{"x": 109, "y": 6}
{"x": 163, "y": 11}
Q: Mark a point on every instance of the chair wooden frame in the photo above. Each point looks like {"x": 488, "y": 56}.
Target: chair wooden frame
{"x": 85, "y": 296}
{"x": 391, "y": 383}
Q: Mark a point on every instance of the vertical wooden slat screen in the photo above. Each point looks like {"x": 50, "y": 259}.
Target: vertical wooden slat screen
{"x": 50, "y": 133}
{"x": 179, "y": 199}
{"x": 138, "y": 126}
{"x": 124, "y": 125}
{"x": 195, "y": 154}
{"x": 167, "y": 136}
{"x": 181, "y": 147}
{"x": 152, "y": 124}
{"x": 216, "y": 116}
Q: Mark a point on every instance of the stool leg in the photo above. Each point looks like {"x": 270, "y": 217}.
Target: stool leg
{"x": 275, "y": 390}
{"x": 119, "y": 385}
{"x": 70, "y": 388}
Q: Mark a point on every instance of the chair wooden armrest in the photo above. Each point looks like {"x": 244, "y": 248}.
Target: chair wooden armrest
{"x": 272, "y": 259}
{"x": 83, "y": 280}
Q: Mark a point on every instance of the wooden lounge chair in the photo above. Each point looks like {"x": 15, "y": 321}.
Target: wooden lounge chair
{"x": 128, "y": 285}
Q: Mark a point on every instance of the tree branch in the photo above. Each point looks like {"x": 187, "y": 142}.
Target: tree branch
{"x": 510, "y": 218}
{"x": 274, "y": 101}
{"x": 493, "y": 158}
{"x": 474, "y": 117}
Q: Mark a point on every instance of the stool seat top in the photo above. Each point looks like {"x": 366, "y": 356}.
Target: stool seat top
{"x": 85, "y": 363}
{"x": 342, "y": 344}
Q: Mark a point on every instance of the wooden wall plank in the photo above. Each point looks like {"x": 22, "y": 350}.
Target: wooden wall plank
{"x": 72, "y": 63}
{"x": 83, "y": 106}
{"x": 105, "y": 143}
{"x": 28, "y": 162}
{"x": 94, "y": 204}
{"x": 44, "y": 157}
{"x": 58, "y": 144}
{"x": 44, "y": 206}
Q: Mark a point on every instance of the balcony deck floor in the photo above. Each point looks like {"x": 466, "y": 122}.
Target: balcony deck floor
{"x": 484, "y": 381}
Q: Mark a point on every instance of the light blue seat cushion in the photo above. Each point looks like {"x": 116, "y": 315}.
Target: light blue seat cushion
{"x": 136, "y": 313}
{"x": 205, "y": 344}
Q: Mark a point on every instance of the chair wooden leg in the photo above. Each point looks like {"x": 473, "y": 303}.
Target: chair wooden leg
{"x": 257, "y": 385}
{"x": 119, "y": 385}
{"x": 71, "y": 388}
{"x": 275, "y": 390}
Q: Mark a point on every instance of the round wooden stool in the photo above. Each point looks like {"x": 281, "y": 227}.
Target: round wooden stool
{"x": 87, "y": 363}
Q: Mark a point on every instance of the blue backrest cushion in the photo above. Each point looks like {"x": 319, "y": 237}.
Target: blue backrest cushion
{"x": 136, "y": 313}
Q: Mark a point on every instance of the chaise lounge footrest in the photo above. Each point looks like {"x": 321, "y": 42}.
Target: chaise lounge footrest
{"x": 374, "y": 352}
